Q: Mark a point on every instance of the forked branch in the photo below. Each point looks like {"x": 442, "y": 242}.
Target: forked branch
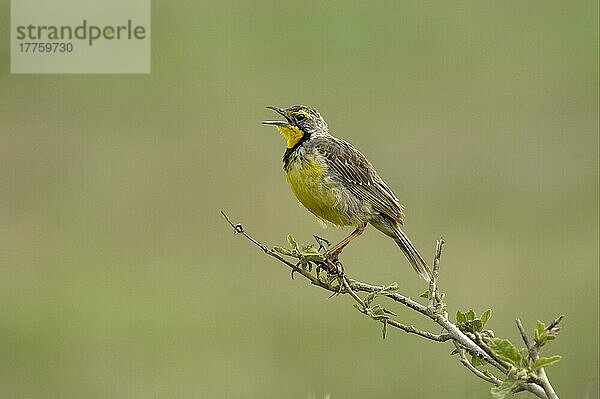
{"x": 493, "y": 360}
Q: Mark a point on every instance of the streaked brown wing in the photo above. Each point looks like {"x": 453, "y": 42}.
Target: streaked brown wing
{"x": 360, "y": 177}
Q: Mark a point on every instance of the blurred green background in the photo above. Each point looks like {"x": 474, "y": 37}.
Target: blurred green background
{"x": 120, "y": 279}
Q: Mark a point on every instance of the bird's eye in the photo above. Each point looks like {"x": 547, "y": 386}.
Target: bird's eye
{"x": 300, "y": 117}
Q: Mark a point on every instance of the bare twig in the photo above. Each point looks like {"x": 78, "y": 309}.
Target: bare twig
{"x": 239, "y": 229}
{"x": 434, "y": 296}
{"x": 425, "y": 334}
{"x": 526, "y": 340}
{"x": 463, "y": 359}
{"x": 352, "y": 293}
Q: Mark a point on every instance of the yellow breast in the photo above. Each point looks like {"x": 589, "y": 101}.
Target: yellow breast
{"x": 318, "y": 194}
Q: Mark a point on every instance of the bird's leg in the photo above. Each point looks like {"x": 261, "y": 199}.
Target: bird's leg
{"x": 333, "y": 252}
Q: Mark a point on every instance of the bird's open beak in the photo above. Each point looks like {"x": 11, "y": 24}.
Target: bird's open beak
{"x": 281, "y": 112}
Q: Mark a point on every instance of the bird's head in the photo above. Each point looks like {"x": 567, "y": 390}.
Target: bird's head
{"x": 300, "y": 122}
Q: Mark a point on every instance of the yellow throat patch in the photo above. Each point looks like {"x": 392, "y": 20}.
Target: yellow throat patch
{"x": 291, "y": 133}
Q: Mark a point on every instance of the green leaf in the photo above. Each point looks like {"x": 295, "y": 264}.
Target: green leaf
{"x": 488, "y": 373}
{"x": 370, "y": 297}
{"x": 477, "y": 325}
{"x": 503, "y": 390}
{"x": 378, "y": 312}
{"x": 506, "y": 350}
{"x": 525, "y": 360}
{"x": 546, "y": 361}
{"x": 470, "y": 315}
{"x": 312, "y": 257}
{"x": 460, "y": 317}
{"x": 539, "y": 330}
{"x": 293, "y": 243}
{"x": 425, "y": 295}
{"x": 386, "y": 311}
{"x": 282, "y": 251}
{"x": 475, "y": 361}
{"x": 485, "y": 316}
{"x": 310, "y": 251}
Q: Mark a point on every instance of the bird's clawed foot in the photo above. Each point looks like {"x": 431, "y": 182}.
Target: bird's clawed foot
{"x": 331, "y": 265}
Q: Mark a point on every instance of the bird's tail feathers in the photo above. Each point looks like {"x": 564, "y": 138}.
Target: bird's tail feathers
{"x": 411, "y": 253}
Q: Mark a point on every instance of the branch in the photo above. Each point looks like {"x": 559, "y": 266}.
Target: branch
{"x": 453, "y": 331}
{"x": 533, "y": 388}
{"x": 526, "y": 340}
{"x": 406, "y": 328}
{"x": 534, "y": 354}
{"x": 350, "y": 285}
{"x": 467, "y": 340}
{"x": 434, "y": 296}
{"x": 463, "y": 359}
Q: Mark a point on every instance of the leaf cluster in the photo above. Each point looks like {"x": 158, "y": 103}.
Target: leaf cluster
{"x": 523, "y": 362}
{"x": 469, "y": 322}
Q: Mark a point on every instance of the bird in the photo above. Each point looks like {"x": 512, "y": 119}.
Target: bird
{"x": 337, "y": 183}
